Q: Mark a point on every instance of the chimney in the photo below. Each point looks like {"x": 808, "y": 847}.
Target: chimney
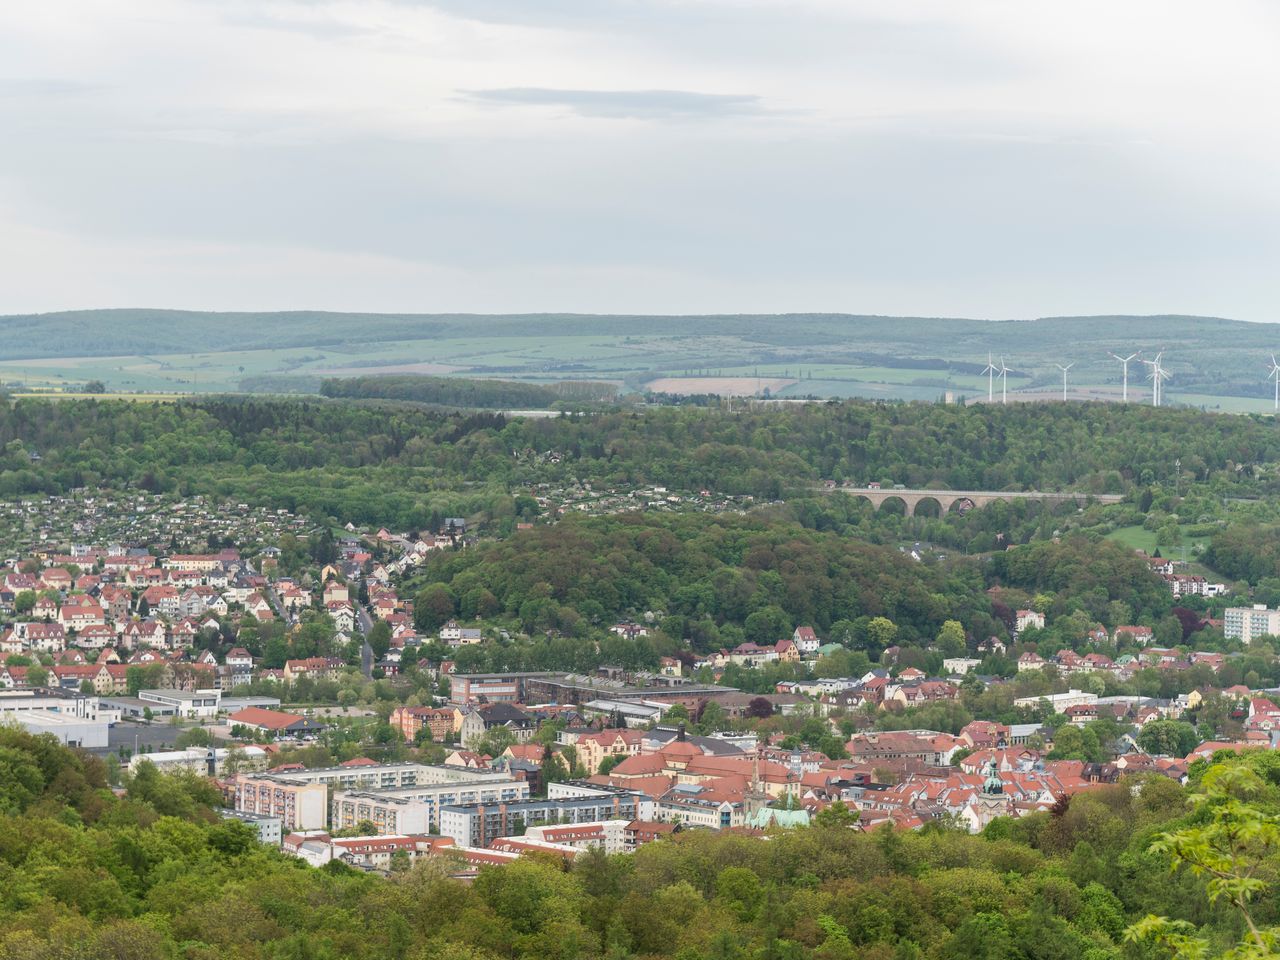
{"x": 680, "y": 732}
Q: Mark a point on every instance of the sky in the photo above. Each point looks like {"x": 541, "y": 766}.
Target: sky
{"x": 914, "y": 157}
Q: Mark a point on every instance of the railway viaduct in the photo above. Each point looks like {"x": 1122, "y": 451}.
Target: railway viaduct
{"x": 967, "y": 499}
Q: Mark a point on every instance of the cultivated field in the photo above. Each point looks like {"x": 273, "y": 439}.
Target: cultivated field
{"x": 724, "y": 386}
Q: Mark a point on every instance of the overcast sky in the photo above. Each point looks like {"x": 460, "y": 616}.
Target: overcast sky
{"x": 987, "y": 159}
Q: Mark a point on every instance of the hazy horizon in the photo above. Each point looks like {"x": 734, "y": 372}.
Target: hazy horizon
{"x": 989, "y": 161}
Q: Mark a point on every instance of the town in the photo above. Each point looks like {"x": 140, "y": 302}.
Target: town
{"x": 286, "y": 668}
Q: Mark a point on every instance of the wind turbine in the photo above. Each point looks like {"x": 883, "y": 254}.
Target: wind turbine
{"x": 1124, "y": 362}
{"x": 1004, "y": 382}
{"x": 990, "y": 371}
{"x": 1274, "y": 374}
{"x": 1064, "y": 377}
{"x": 1158, "y": 373}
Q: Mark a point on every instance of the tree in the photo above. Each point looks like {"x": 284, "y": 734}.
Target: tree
{"x": 712, "y": 717}
{"x": 881, "y": 632}
{"x": 380, "y": 639}
{"x": 554, "y": 769}
{"x": 608, "y": 763}
{"x": 433, "y": 607}
{"x": 951, "y": 639}
{"x": 24, "y": 601}
{"x": 95, "y": 386}
{"x": 194, "y": 737}
{"x": 836, "y": 815}
{"x": 759, "y": 708}
{"x": 1227, "y": 846}
{"x": 1169, "y": 738}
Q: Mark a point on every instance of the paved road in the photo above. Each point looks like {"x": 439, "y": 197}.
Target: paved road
{"x": 366, "y": 652}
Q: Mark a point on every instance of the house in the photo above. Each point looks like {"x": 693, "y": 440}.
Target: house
{"x": 335, "y": 592}
{"x": 629, "y": 631}
{"x": 98, "y": 637}
{"x": 1028, "y": 620}
{"x": 343, "y": 616}
{"x": 480, "y": 720}
{"x": 162, "y": 599}
{"x": 257, "y": 605}
{"x": 81, "y": 611}
{"x": 1030, "y": 661}
{"x": 921, "y": 692}
{"x": 1263, "y": 715}
{"x": 594, "y": 748}
{"x": 43, "y": 637}
{"x": 456, "y": 635}
{"x": 806, "y": 641}
{"x": 750, "y": 654}
{"x": 144, "y": 633}
{"x": 1132, "y": 634}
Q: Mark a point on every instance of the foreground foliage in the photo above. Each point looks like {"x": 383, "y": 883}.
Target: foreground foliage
{"x": 153, "y": 874}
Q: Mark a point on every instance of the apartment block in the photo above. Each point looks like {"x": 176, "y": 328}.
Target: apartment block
{"x": 1249, "y": 623}
{"x": 299, "y": 806}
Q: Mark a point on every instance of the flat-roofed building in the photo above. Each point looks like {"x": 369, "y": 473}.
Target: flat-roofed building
{"x": 300, "y": 806}
{"x": 268, "y": 827}
{"x": 1248, "y": 623}
{"x": 478, "y": 825}
{"x": 417, "y": 809}
{"x": 183, "y": 703}
{"x": 71, "y": 730}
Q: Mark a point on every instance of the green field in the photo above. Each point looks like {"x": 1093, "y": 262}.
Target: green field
{"x": 1142, "y": 539}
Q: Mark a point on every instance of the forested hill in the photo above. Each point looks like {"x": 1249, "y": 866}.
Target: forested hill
{"x": 144, "y": 331}
{"x": 367, "y": 464}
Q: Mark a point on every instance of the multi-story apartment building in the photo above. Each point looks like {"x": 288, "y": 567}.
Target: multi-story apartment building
{"x": 416, "y": 809}
{"x": 478, "y": 825}
{"x": 1249, "y": 623}
{"x": 299, "y": 806}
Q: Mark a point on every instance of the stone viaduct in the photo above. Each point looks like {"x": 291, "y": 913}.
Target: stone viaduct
{"x": 966, "y": 499}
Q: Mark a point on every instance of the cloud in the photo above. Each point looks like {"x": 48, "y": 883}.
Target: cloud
{"x": 41, "y": 87}
{"x": 626, "y": 104}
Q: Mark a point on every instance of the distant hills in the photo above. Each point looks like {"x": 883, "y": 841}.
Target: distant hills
{"x": 791, "y": 354}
